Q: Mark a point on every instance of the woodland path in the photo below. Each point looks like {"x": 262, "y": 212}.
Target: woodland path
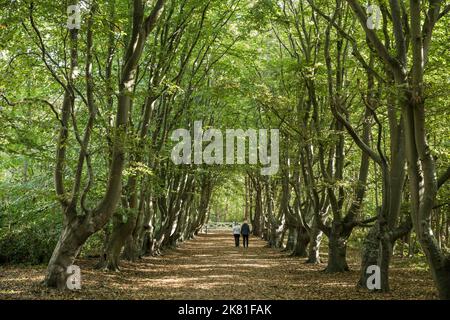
{"x": 210, "y": 267}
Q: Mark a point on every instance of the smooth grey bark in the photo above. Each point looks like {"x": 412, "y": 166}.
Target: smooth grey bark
{"x": 301, "y": 244}
{"x": 69, "y": 245}
{"x": 77, "y": 229}
{"x": 134, "y": 246}
{"x": 291, "y": 238}
{"x": 337, "y": 249}
{"x": 423, "y": 183}
{"x": 314, "y": 243}
{"x": 256, "y": 222}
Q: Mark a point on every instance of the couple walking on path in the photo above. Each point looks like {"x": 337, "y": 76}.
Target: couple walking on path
{"x": 244, "y": 230}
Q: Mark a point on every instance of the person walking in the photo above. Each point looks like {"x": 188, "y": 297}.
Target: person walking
{"x": 245, "y": 231}
{"x": 236, "y": 233}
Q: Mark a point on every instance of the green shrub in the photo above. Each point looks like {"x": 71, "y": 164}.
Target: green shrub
{"x": 31, "y": 244}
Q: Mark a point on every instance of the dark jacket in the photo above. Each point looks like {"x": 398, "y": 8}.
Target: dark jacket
{"x": 245, "y": 229}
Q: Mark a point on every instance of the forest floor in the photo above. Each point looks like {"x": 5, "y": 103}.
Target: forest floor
{"x": 210, "y": 267}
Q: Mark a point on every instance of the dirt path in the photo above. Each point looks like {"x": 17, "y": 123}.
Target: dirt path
{"x": 210, "y": 267}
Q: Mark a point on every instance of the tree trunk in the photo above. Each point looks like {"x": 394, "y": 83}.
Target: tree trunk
{"x": 292, "y": 236}
{"x": 301, "y": 245}
{"x": 314, "y": 245}
{"x": 386, "y": 246}
{"x": 134, "y": 241}
{"x": 120, "y": 234}
{"x": 369, "y": 254}
{"x": 256, "y": 230}
{"x": 69, "y": 245}
{"x": 337, "y": 252}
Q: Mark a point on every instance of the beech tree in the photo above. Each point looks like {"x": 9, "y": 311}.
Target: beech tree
{"x": 408, "y": 73}
{"x": 80, "y": 221}
{"x": 90, "y": 112}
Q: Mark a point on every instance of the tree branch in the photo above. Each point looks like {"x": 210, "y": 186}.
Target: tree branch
{"x": 443, "y": 178}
